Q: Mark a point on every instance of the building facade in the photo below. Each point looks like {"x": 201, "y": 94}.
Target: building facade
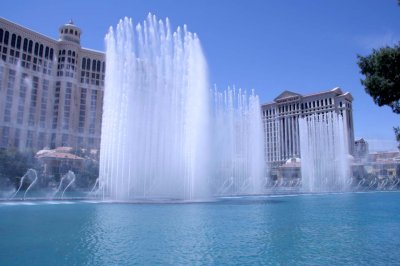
{"x": 361, "y": 149}
{"x": 281, "y": 121}
{"x": 51, "y": 91}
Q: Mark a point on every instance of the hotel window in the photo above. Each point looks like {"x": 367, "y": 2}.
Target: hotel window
{"x": 83, "y": 63}
{"x": 32, "y": 105}
{"x": 56, "y": 104}
{"x": 64, "y": 140}
{"x": 43, "y": 103}
{"x": 91, "y": 142}
{"x": 17, "y": 136}
{"x": 53, "y": 140}
{"x": 93, "y": 104}
{"x": 13, "y": 40}
{"x": 21, "y": 100}
{"x": 82, "y": 111}
{"x": 41, "y": 50}
{"x": 1, "y": 77}
{"x": 1, "y": 35}
{"x": 6, "y": 36}
{"x": 40, "y": 141}
{"x": 30, "y": 45}
{"x": 9, "y": 95}
{"x": 25, "y": 45}
{"x": 29, "y": 139}
{"x": 67, "y": 106}
{"x": 46, "y": 52}
{"x": 94, "y": 65}
{"x": 19, "y": 42}
{"x": 5, "y": 136}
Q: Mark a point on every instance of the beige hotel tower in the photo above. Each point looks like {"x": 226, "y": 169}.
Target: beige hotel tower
{"x": 51, "y": 91}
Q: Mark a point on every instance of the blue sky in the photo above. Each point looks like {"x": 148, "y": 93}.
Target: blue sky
{"x": 266, "y": 45}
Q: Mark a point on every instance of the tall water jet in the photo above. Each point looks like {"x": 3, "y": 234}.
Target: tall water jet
{"x": 238, "y": 143}
{"x": 155, "y": 128}
{"x": 324, "y": 153}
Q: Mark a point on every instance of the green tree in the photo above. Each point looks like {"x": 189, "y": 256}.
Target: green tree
{"x": 382, "y": 78}
{"x": 14, "y": 164}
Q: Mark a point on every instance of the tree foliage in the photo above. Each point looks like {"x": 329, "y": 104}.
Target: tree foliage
{"x": 14, "y": 164}
{"x": 382, "y": 76}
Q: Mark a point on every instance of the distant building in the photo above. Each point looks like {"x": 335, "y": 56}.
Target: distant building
{"x": 51, "y": 91}
{"x": 281, "y": 121}
{"x": 290, "y": 171}
{"x": 59, "y": 160}
{"x": 361, "y": 149}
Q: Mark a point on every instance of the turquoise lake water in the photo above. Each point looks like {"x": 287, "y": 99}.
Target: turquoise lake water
{"x": 332, "y": 229}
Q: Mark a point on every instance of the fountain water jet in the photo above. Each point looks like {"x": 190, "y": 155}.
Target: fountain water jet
{"x": 324, "y": 153}
{"x": 32, "y": 174}
{"x": 155, "y": 128}
{"x": 70, "y": 178}
{"x": 238, "y": 143}
{"x": 96, "y": 185}
{"x": 158, "y": 119}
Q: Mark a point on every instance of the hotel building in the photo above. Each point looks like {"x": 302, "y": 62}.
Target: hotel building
{"x": 51, "y": 91}
{"x": 281, "y": 121}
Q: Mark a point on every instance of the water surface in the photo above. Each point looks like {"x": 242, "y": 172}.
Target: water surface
{"x": 356, "y": 228}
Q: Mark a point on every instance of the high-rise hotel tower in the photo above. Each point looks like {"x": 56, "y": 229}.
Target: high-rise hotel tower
{"x": 51, "y": 91}
{"x": 281, "y": 121}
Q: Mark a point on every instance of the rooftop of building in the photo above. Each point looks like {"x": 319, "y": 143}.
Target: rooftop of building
{"x": 41, "y": 35}
{"x": 58, "y": 153}
{"x": 289, "y": 94}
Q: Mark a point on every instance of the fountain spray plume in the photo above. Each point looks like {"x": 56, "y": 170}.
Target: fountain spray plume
{"x": 155, "y": 129}
{"x": 238, "y": 142}
{"x": 324, "y": 153}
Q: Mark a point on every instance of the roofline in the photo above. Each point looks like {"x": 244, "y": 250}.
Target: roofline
{"x": 26, "y": 28}
{"x": 55, "y": 41}
{"x": 287, "y": 91}
{"x": 336, "y": 89}
{"x": 93, "y": 51}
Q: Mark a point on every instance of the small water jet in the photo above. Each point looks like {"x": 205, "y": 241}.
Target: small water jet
{"x": 68, "y": 177}
{"x": 71, "y": 178}
{"x": 96, "y": 186}
{"x": 30, "y": 175}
